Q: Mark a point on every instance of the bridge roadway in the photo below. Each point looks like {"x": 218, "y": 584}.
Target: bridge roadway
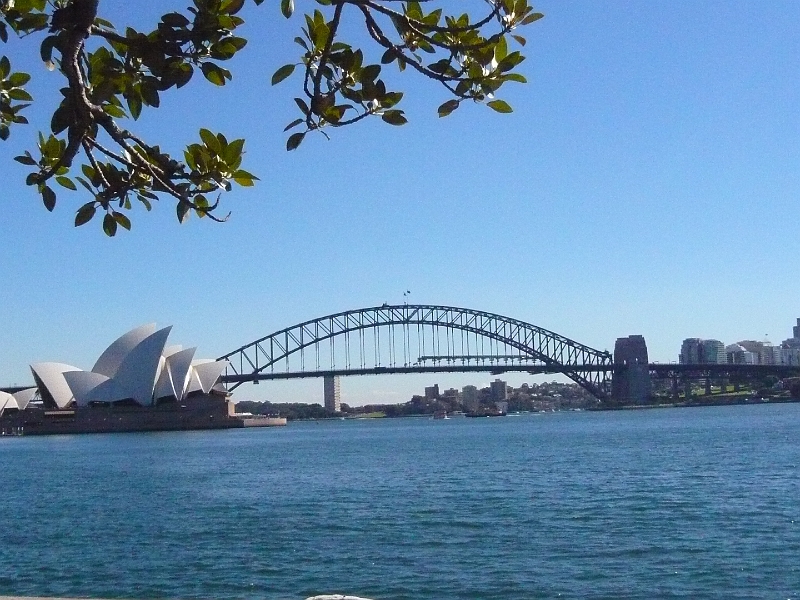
{"x": 658, "y": 370}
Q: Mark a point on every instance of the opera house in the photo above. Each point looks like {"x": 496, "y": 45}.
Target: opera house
{"x": 139, "y": 383}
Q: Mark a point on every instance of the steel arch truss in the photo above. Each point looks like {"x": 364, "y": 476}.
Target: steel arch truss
{"x": 416, "y": 338}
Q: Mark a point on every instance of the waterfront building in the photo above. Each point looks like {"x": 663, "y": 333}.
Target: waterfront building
{"x": 332, "y": 392}
{"x": 794, "y": 341}
{"x": 770, "y": 355}
{"x": 470, "y": 398}
{"x": 450, "y": 394}
{"x": 138, "y": 368}
{"x": 498, "y": 390}
{"x": 432, "y": 392}
{"x": 712, "y": 352}
{"x": 690, "y": 351}
{"x": 790, "y": 356}
{"x": 739, "y": 355}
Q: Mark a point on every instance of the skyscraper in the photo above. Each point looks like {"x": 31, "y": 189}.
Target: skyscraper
{"x": 333, "y": 400}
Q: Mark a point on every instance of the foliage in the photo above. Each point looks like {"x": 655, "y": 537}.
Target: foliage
{"x": 111, "y": 75}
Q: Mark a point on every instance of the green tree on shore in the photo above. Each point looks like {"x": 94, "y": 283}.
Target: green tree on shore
{"x": 112, "y": 73}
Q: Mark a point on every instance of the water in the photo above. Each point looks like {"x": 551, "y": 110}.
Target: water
{"x": 680, "y": 503}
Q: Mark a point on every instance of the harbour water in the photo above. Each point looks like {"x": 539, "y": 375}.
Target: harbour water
{"x": 673, "y": 503}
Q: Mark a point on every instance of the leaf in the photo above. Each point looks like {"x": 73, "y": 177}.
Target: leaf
{"x": 244, "y": 178}
{"x": 25, "y": 159}
{"x": 294, "y": 123}
{"x": 85, "y": 214}
{"x": 134, "y": 105}
{"x": 287, "y": 8}
{"x": 183, "y": 209}
{"x": 215, "y": 74}
{"x": 448, "y": 107}
{"x": 294, "y": 140}
{"x": 109, "y": 225}
{"x": 66, "y": 182}
{"x": 49, "y": 198}
{"x": 121, "y": 219}
{"x": 210, "y": 140}
{"x": 500, "y": 106}
{"x": 282, "y": 73}
{"x": 394, "y": 117}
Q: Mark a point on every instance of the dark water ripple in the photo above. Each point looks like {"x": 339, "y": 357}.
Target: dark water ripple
{"x": 694, "y": 503}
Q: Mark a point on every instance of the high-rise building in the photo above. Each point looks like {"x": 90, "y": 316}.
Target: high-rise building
{"x": 432, "y": 392}
{"x": 712, "y": 352}
{"x": 695, "y": 351}
{"x": 690, "y": 351}
{"x": 333, "y": 401}
{"x": 499, "y": 390}
{"x": 469, "y": 397}
{"x": 794, "y": 341}
{"x": 739, "y": 355}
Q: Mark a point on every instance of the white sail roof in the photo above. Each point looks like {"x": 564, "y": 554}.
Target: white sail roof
{"x": 84, "y": 385}
{"x": 136, "y": 375}
{"x": 6, "y": 401}
{"x": 23, "y": 397}
{"x": 110, "y": 360}
{"x": 53, "y": 388}
{"x": 137, "y": 366}
{"x": 174, "y": 377}
{"x": 205, "y": 374}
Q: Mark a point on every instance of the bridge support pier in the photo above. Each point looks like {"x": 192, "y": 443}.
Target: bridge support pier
{"x": 631, "y": 383}
{"x": 675, "y": 390}
{"x": 708, "y": 386}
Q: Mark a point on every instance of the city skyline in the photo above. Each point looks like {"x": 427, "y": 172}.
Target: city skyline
{"x": 589, "y": 211}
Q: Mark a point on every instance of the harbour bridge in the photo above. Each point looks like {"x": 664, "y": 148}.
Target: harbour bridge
{"x": 425, "y": 338}
{"x": 416, "y": 338}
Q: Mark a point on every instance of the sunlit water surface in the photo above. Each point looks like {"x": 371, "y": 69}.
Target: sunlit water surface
{"x": 680, "y": 503}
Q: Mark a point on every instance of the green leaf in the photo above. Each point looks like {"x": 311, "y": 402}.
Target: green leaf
{"x": 49, "y": 198}
{"x": 287, "y": 8}
{"x": 282, "y": 73}
{"x": 294, "y": 140}
{"x": 244, "y": 178}
{"x": 121, "y": 219}
{"x": 183, "y": 210}
{"x": 448, "y": 107}
{"x": 134, "y": 105}
{"x": 109, "y": 225}
{"x": 500, "y": 106}
{"x": 294, "y": 123}
{"x": 19, "y": 79}
{"x": 25, "y": 159}
{"x": 394, "y": 117}
{"x": 66, "y": 182}
{"x": 210, "y": 140}
{"x": 214, "y": 73}
{"x": 85, "y": 214}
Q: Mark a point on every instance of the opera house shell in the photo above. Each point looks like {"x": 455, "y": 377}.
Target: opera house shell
{"x": 137, "y": 368}
{"x": 138, "y": 383}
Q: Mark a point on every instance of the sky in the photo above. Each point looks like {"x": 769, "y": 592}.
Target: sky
{"x": 646, "y": 183}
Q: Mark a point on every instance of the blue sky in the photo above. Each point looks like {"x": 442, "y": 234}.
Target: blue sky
{"x": 647, "y": 183}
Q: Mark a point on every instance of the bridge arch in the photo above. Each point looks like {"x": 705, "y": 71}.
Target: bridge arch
{"x": 532, "y": 347}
